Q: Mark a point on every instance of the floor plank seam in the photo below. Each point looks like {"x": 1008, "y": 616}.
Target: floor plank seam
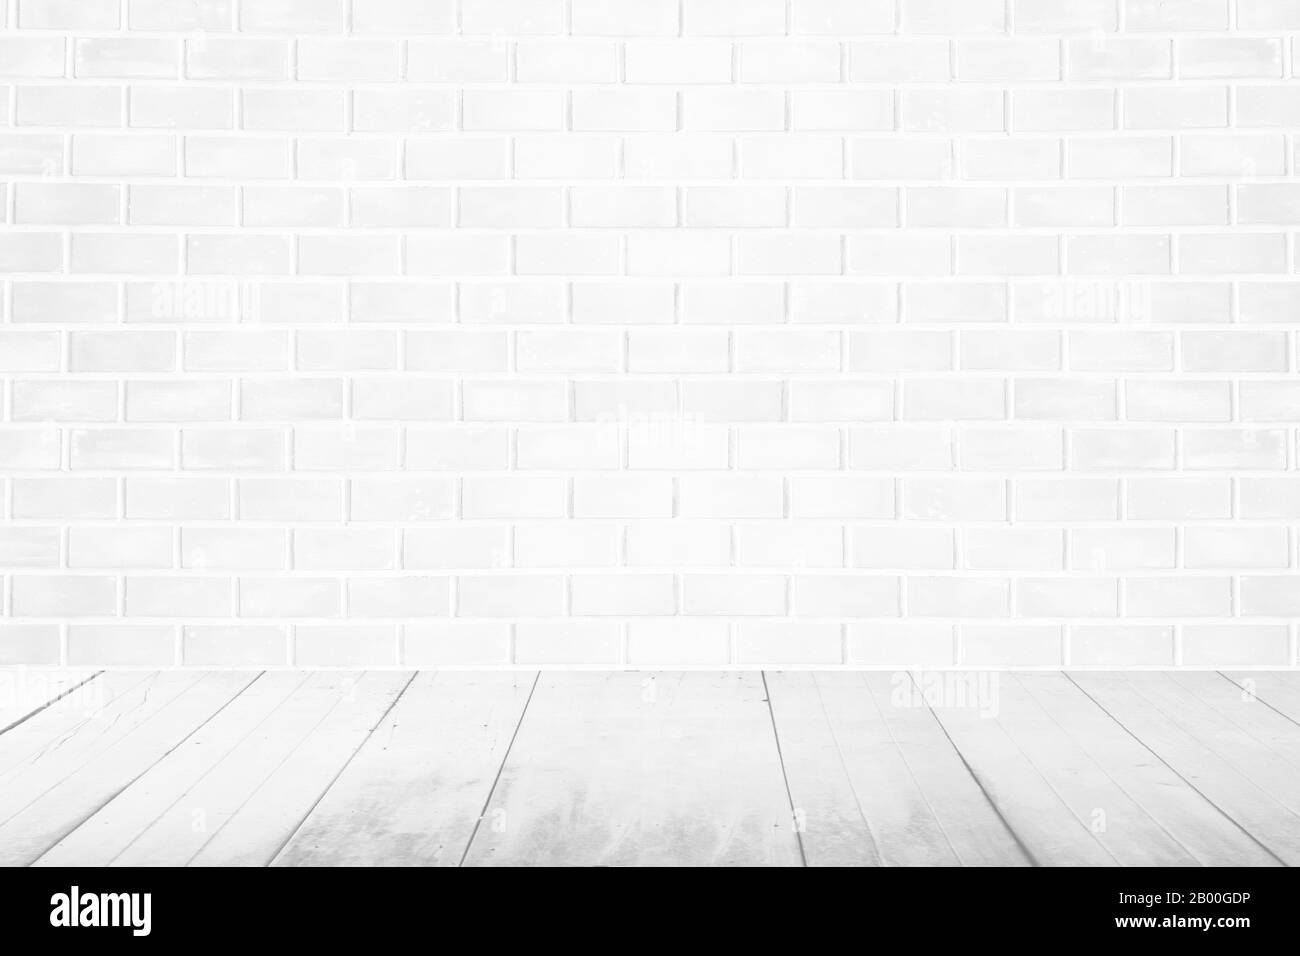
{"x": 785, "y": 778}
{"x": 161, "y": 757}
{"x": 53, "y": 700}
{"x": 839, "y": 753}
{"x": 1033, "y": 860}
{"x": 920, "y": 789}
{"x": 1262, "y": 845}
{"x": 90, "y": 758}
{"x": 1260, "y": 698}
{"x": 181, "y": 796}
{"x": 1240, "y": 727}
{"x": 1116, "y": 783}
{"x": 500, "y": 769}
{"x": 1056, "y": 790}
{"x": 334, "y": 779}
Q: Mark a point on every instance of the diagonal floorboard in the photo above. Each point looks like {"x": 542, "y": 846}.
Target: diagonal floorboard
{"x": 294, "y": 768}
{"x": 25, "y": 692}
{"x": 878, "y": 784}
{"x": 415, "y": 790}
{"x": 50, "y": 795}
{"x": 1200, "y": 748}
{"x": 641, "y": 769}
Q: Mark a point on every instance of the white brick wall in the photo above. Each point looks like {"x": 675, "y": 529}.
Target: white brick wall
{"x": 649, "y": 332}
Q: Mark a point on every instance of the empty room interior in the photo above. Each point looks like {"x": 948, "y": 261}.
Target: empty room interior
{"x": 649, "y": 433}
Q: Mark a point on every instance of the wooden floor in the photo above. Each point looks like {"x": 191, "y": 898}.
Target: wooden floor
{"x": 608, "y": 769}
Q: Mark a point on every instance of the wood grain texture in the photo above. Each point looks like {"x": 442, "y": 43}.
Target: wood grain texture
{"x": 295, "y": 768}
{"x": 1204, "y": 831}
{"x": 1046, "y": 822}
{"x": 25, "y": 691}
{"x": 267, "y": 817}
{"x": 1200, "y": 750}
{"x": 1277, "y": 690}
{"x": 876, "y": 778}
{"x": 641, "y": 769}
{"x": 1099, "y": 804}
{"x": 69, "y": 718}
{"x": 414, "y": 793}
{"x": 248, "y": 804}
{"x": 110, "y": 831}
{"x": 52, "y": 794}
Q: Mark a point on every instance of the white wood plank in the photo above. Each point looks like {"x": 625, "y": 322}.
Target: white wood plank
{"x": 836, "y": 827}
{"x": 414, "y": 792}
{"x": 68, "y": 716}
{"x": 1247, "y": 712}
{"x": 1210, "y": 836}
{"x": 111, "y": 830}
{"x": 1197, "y": 761}
{"x": 35, "y": 762}
{"x": 641, "y": 769}
{"x": 44, "y": 801}
{"x": 1115, "y": 820}
{"x": 239, "y": 784}
{"x": 1043, "y": 821}
{"x": 256, "y": 821}
{"x": 1272, "y": 770}
{"x": 879, "y": 781}
{"x": 976, "y": 833}
{"x": 1279, "y": 690}
{"x": 26, "y": 690}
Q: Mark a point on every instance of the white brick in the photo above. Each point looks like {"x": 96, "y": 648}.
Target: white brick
{"x": 664, "y": 333}
{"x": 1246, "y": 547}
{"x": 282, "y": 597}
{"x": 958, "y": 596}
{"x": 1233, "y": 645}
{"x": 180, "y": 596}
{"x": 953, "y": 16}
{"x": 672, "y": 544}
{"x": 1181, "y": 499}
{"x": 1093, "y": 645}
{"x": 954, "y": 499}
{"x": 652, "y": 642}
{"x": 215, "y": 645}
{"x": 399, "y": 597}
{"x": 290, "y": 499}
{"x": 1111, "y": 549}
{"x": 317, "y": 645}
{"x": 510, "y": 596}
{"x": 294, "y": 16}
{"x": 1068, "y": 597}
{"x": 1178, "y": 597}
{"x": 845, "y": 596}
{"x": 196, "y": 498}
{"x": 1188, "y": 15}
{"x": 737, "y": 595}
{"x": 566, "y": 643}
{"x": 1070, "y": 499}
{"x": 138, "y": 547}
{"x": 912, "y": 548}
{"x": 447, "y": 643}
{"x": 623, "y": 595}
{"x": 227, "y": 549}
{"x": 124, "y": 646}
{"x": 783, "y": 61}
{"x": 889, "y": 644}
{"x": 1246, "y": 448}
{"x": 398, "y": 499}
{"x": 901, "y": 448}
{"x": 898, "y": 60}
{"x": 1032, "y": 645}
{"x": 1012, "y": 549}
